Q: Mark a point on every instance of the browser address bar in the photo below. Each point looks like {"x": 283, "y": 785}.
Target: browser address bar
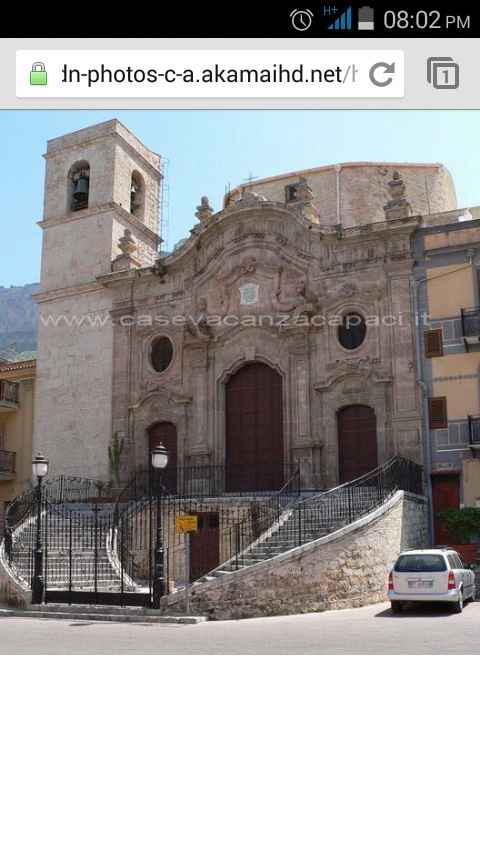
{"x": 210, "y": 74}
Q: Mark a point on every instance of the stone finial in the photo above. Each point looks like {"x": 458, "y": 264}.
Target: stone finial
{"x": 301, "y": 198}
{"x": 204, "y": 211}
{"x": 248, "y": 197}
{"x": 126, "y": 244}
{"x": 304, "y": 192}
{"x": 397, "y": 207}
{"x": 397, "y": 187}
{"x": 128, "y": 248}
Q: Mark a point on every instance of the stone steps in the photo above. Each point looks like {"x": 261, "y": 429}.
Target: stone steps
{"x": 100, "y": 613}
{"x": 302, "y": 525}
{"x": 82, "y": 549}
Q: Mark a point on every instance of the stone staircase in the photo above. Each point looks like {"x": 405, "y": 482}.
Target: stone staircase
{"x": 71, "y": 549}
{"x": 307, "y": 520}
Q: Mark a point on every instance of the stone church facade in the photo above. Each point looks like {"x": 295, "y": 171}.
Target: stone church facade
{"x": 277, "y": 335}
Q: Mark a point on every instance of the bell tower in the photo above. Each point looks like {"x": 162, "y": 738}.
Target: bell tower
{"x": 101, "y": 182}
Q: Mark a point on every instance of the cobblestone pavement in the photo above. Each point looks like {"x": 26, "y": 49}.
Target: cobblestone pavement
{"x": 422, "y": 630}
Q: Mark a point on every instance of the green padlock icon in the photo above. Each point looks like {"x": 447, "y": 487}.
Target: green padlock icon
{"x": 38, "y": 75}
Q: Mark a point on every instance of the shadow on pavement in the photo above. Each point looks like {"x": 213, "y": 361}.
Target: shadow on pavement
{"x": 420, "y": 609}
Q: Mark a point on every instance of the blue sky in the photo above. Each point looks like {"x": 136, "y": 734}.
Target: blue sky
{"x": 208, "y": 150}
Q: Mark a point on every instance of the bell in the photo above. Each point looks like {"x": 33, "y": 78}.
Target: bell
{"x": 134, "y": 198}
{"x": 80, "y": 193}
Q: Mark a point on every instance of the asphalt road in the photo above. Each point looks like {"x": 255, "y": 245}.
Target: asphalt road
{"x": 422, "y": 630}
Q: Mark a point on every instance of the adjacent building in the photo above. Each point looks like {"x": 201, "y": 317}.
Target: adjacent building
{"x": 17, "y": 384}
{"x": 447, "y": 277}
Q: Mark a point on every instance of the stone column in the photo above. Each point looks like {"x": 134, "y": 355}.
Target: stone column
{"x": 123, "y": 338}
{"x": 198, "y": 448}
{"x": 299, "y": 412}
{"x": 406, "y": 417}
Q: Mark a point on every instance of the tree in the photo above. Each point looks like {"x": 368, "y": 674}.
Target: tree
{"x": 462, "y": 524}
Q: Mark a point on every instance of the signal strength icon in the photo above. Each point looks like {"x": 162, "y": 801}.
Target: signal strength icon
{"x": 343, "y": 22}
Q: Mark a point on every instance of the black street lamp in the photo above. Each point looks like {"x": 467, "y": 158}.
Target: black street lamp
{"x": 39, "y": 470}
{"x": 159, "y": 462}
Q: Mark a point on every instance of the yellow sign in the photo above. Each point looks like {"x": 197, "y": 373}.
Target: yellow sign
{"x": 186, "y": 524}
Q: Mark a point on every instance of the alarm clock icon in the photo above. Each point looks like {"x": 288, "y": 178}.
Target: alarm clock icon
{"x": 301, "y": 19}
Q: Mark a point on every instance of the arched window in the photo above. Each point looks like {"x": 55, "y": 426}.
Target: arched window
{"x": 79, "y": 186}
{"x": 352, "y": 331}
{"x": 161, "y": 354}
{"x": 137, "y": 195}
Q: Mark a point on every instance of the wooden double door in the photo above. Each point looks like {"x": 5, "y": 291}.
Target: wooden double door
{"x": 357, "y": 442}
{"x": 254, "y": 429}
{"x": 205, "y": 545}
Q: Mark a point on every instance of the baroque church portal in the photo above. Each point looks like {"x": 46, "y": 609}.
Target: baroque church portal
{"x": 276, "y": 336}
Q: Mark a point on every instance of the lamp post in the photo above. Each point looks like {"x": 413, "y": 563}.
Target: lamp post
{"x": 159, "y": 462}
{"x": 39, "y": 470}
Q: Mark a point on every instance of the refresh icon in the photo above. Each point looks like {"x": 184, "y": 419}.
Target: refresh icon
{"x": 378, "y": 73}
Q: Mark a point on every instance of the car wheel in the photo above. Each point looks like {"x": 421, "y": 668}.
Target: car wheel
{"x": 458, "y": 606}
{"x": 396, "y": 607}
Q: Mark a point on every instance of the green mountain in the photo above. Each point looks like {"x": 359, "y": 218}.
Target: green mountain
{"x": 18, "y": 320}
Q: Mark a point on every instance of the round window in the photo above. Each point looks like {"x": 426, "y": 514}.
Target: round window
{"x": 352, "y": 331}
{"x": 161, "y": 354}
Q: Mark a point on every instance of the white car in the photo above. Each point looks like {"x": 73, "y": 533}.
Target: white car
{"x": 430, "y": 575}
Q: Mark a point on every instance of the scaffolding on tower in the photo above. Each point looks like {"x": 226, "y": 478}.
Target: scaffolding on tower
{"x": 164, "y": 217}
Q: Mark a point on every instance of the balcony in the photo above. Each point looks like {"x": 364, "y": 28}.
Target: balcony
{"x": 7, "y": 465}
{"x": 474, "y": 432}
{"x": 8, "y": 395}
{"x": 471, "y": 326}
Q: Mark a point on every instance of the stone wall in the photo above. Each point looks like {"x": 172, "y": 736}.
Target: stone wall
{"x": 73, "y": 392}
{"x": 355, "y": 193}
{"x": 346, "y": 569}
{"x": 12, "y": 593}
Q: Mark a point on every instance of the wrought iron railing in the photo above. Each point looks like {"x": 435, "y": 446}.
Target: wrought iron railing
{"x": 238, "y": 520}
{"x": 211, "y": 481}
{"x": 56, "y": 490}
{"x": 311, "y": 518}
{"x": 8, "y": 392}
{"x": 470, "y": 322}
{"x": 7, "y": 462}
{"x": 90, "y": 545}
{"x": 474, "y": 429}
{"x": 397, "y": 473}
{"x": 244, "y": 532}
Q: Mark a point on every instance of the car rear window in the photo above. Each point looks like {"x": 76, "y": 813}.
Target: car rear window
{"x": 420, "y": 563}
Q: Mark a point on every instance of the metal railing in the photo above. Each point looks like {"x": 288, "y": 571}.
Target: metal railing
{"x": 9, "y": 392}
{"x": 237, "y": 524}
{"x": 211, "y": 481}
{"x": 474, "y": 430}
{"x": 7, "y": 462}
{"x": 311, "y": 518}
{"x": 91, "y": 545}
{"x": 243, "y": 533}
{"x": 470, "y": 322}
{"x": 57, "y": 490}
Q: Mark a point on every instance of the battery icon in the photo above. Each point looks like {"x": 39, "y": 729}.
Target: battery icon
{"x": 366, "y": 18}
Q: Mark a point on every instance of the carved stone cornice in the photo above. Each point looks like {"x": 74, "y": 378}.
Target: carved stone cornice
{"x": 109, "y": 207}
{"x": 343, "y": 369}
{"x": 70, "y": 291}
{"x": 152, "y": 392}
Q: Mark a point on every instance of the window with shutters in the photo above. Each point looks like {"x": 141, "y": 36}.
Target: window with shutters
{"x": 433, "y": 343}
{"x": 437, "y": 408}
